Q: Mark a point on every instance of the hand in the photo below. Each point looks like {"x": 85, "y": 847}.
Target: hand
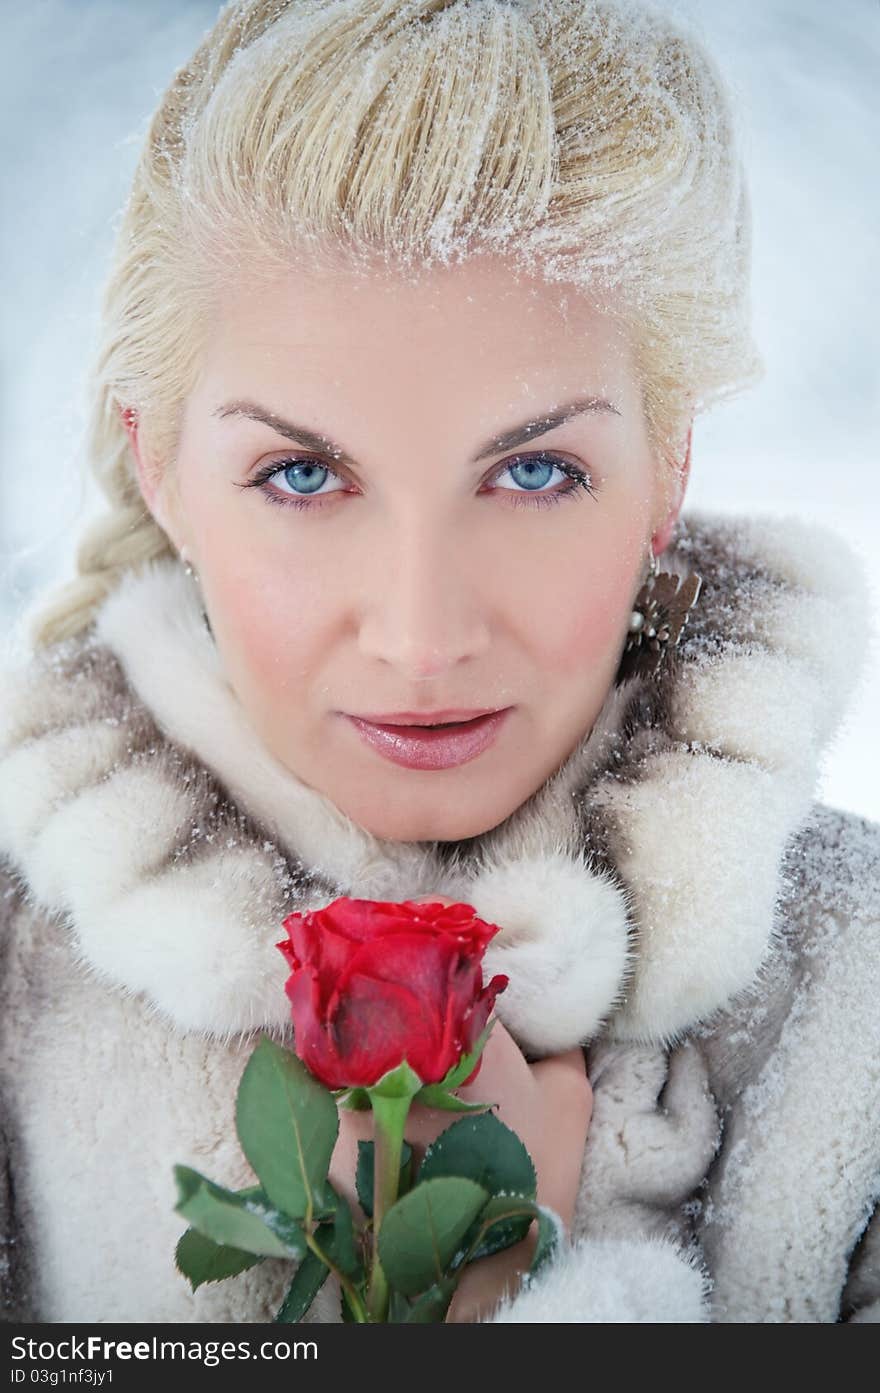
{"x": 548, "y": 1104}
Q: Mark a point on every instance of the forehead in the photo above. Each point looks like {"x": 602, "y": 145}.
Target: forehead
{"x": 482, "y": 321}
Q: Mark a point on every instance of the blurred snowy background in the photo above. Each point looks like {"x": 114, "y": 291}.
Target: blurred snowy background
{"x": 79, "y": 79}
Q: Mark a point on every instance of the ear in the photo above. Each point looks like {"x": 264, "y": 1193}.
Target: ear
{"x": 682, "y": 473}
{"x": 148, "y": 472}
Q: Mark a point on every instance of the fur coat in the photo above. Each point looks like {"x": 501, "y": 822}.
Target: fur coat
{"x": 674, "y": 897}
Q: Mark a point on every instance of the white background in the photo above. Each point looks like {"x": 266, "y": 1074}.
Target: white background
{"x": 79, "y": 79}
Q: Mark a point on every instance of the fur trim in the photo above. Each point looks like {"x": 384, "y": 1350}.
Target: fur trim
{"x": 613, "y": 1281}
{"x": 583, "y": 976}
{"x": 636, "y": 889}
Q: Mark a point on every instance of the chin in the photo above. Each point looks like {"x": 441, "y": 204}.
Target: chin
{"x": 424, "y": 826}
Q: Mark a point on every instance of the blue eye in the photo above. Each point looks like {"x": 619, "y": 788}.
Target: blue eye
{"x": 537, "y": 471}
{"x": 534, "y": 472}
{"x": 304, "y": 476}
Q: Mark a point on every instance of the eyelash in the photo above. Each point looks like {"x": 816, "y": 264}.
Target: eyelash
{"x": 579, "y": 480}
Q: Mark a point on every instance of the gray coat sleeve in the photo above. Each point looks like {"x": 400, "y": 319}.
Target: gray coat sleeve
{"x": 861, "y": 1295}
{"x": 857, "y": 850}
{"x": 15, "y": 1304}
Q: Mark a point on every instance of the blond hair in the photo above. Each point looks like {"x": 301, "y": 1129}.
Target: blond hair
{"x": 592, "y": 138}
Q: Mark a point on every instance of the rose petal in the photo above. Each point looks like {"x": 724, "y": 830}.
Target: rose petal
{"x": 377, "y": 1026}
{"x": 377, "y": 982}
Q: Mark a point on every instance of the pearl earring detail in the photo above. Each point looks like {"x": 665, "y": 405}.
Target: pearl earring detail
{"x": 659, "y": 614}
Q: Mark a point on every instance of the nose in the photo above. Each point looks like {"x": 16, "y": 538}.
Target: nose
{"x": 423, "y": 605}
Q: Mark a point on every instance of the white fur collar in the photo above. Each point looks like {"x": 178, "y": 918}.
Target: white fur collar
{"x": 636, "y": 889}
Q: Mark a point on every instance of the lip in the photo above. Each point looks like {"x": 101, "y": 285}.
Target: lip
{"x": 425, "y": 718}
{"x": 414, "y": 748}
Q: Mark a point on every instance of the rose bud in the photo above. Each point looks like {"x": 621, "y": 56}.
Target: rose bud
{"x": 374, "y": 983}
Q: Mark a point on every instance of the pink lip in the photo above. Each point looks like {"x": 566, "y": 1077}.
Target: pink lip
{"x": 423, "y": 718}
{"x": 416, "y": 748}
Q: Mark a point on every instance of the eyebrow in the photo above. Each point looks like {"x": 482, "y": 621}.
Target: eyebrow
{"x": 506, "y": 440}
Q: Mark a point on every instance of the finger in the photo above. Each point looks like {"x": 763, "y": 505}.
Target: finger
{"x": 564, "y": 1077}
{"x": 505, "y": 1081}
{"x": 424, "y": 1125}
{"x": 503, "y": 1068}
{"x": 570, "y": 1063}
{"x": 355, "y": 1124}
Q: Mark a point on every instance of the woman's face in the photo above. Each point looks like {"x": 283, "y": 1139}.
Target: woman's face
{"x": 371, "y": 483}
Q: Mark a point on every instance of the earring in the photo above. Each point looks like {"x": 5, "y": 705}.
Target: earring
{"x": 659, "y": 614}
{"x": 190, "y": 571}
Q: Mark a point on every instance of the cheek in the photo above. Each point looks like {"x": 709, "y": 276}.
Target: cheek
{"x": 264, "y": 599}
{"x": 584, "y": 617}
{"x": 268, "y": 625}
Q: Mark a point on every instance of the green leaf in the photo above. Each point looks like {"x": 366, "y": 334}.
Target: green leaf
{"x": 356, "y": 1099}
{"x": 433, "y": 1304}
{"x": 407, "y": 1171}
{"x": 323, "y": 1201}
{"x": 200, "y": 1259}
{"x": 364, "y": 1174}
{"x": 402, "y": 1082}
{"x": 505, "y": 1220}
{"x": 501, "y": 1212}
{"x": 501, "y": 1207}
{"x": 433, "y": 1096}
{"x": 398, "y": 1308}
{"x": 342, "y": 1247}
{"x": 287, "y": 1124}
{"x": 485, "y": 1150}
{"x": 309, "y": 1278}
{"x": 468, "y": 1062}
{"x": 347, "y": 1313}
{"x": 549, "y": 1238}
{"x": 244, "y": 1219}
{"x": 422, "y": 1232}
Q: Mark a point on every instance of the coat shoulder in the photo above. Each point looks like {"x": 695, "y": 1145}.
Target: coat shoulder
{"x": 12, "y": 894}
{"x": 15, "y": 1279}
{"x": 834, "y": 862}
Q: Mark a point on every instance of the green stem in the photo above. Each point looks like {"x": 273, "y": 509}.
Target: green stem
{"x": 347, "y": 1286}
{"x": 389, "y": 1115}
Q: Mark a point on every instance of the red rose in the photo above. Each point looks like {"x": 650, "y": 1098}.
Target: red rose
{"x": 376, "y": 983}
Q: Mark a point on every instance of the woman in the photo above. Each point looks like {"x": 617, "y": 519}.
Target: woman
{"x": 454, "y": 265}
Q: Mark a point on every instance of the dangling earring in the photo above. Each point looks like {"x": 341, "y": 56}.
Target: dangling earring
{"x": 190, "y": 571}
{"x": 659, "y": 614}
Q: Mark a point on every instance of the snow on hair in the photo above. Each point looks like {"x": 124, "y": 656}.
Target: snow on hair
{"x": 590, "y": 140}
